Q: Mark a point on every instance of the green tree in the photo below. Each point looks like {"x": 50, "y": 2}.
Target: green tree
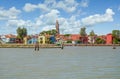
{"x": 100, "y": 41}
{"x": 24, "y": 31}
{"x": 21, "y": 32}
{"x": 116, "y": 36}
{"x": 53, "y": 32}
{"x": 69, "y": 41}
{"x": 67, "y": 35}
{"x": 92, "y": 33}
{"x": 50, "y": 32}
{"x": 83, "y": 34}
{"x": 43, "y": 32}
{"x": 78, "y": 41}
{"x": 116, "y": 33}
{"x": 83, "y": 31}
{"x": 92, "y": 36}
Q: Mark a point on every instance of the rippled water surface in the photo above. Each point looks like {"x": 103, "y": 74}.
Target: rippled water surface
{"x": 54, "y": 63}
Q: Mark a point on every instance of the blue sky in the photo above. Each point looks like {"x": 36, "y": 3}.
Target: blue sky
{"x": 102, "y": 16}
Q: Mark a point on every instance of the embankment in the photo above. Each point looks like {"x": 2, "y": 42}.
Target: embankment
{"x": 50, "y": 45}
{"x": 28, "y": 46}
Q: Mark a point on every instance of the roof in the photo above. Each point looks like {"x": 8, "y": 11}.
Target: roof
{"x": 10, "y": 36}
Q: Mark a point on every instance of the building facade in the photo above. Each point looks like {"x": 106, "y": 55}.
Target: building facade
{"x": 109, "y": 39}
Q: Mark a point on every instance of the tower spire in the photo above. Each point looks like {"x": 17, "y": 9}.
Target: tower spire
{"x": 57, "y": 27}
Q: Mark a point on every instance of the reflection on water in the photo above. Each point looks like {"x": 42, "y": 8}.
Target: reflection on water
{"x": 54, "y": 63}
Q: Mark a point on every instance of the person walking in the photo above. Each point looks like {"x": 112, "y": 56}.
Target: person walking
{"x": 37, "y": 46}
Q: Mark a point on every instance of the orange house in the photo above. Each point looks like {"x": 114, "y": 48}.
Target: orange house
{"x": 75, "y": 37}
{"x": 109, "y": 39}
{"x": 72, "y": 37}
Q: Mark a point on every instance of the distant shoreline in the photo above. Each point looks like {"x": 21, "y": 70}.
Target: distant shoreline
{"x": 50, "y": 45}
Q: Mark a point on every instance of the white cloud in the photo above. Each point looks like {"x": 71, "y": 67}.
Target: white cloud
{"x": 67, "y": 5}
{"x": 84, "y": 3}
{"x": 46, "y": 28}
{"x": 43, "y": 7}
{"x": 47, "y": 5}
{"x": 47, "y": 21}
{"x": 29, "y": 7}
{"x": 31, "y": 26}
{"x": 97, "y": 18}
{"x": 19, "y": 23}
{"x": 51, "y": 4}
{"x": 38, "y": 22}
{"x": 43, "y": 22}
{"x": 49, "y": 18}
{"x": 9, "y": 14}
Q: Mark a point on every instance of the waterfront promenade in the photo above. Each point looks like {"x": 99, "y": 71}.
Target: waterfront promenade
{"x": 50, "y": 45}
{"x": 28, "y": 46}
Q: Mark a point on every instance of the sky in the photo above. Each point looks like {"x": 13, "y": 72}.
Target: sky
{"x": 102, "y": 16}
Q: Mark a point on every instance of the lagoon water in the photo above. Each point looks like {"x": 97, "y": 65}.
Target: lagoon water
{"x": 55, "y": 63}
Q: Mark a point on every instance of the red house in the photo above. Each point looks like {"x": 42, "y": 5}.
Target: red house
{"x": 109, "y": 39}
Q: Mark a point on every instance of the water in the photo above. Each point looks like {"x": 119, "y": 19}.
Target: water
{"x": 54, "y": 63}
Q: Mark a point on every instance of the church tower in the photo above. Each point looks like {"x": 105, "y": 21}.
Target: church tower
{"x": 57, "y": 27}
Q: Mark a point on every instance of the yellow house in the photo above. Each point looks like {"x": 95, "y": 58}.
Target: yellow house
{"x": 25, "y": 40}
{"x": 41, "y": 39}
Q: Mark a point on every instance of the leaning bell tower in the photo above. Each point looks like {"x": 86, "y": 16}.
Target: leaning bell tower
{"x": 57, "y": 27}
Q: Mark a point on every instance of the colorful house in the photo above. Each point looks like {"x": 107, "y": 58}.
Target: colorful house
{"x": 109, "y": 39}
{"x": 30, "y": 39}
{"x": 84, "y": 39}
{"x": 92, "y": 39}
{"x": 52, "y": 39}
{"x": 41, "y": 39}
{"x": 8, "y": 38}
{"x": 75, "y": 37}
{"x": 72, "y": 37}
{"x": 25, "y": 40}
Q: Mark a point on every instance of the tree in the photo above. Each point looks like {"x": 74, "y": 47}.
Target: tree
{"x": 116, "y": 36}
{"x": 21, "y": 32}
{"x": 83, "y": 31}
{"x": 100, "y": 41}
{"x": 67, "y": 35}
{"x": 116, "y": 33}
{"x": 43, "y": 32}
{"x": 92, "y": 33}
{"x": 92, "y": 37}
{"x": 50, "y": 32}
{"x": 24, "y": 30}
{"x": 83, "y": 34}
{"x": 69, "y": 41}
{"x": 53, "y": 32}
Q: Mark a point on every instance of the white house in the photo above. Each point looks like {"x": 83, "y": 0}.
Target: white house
{"x": 8, "y": 38}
